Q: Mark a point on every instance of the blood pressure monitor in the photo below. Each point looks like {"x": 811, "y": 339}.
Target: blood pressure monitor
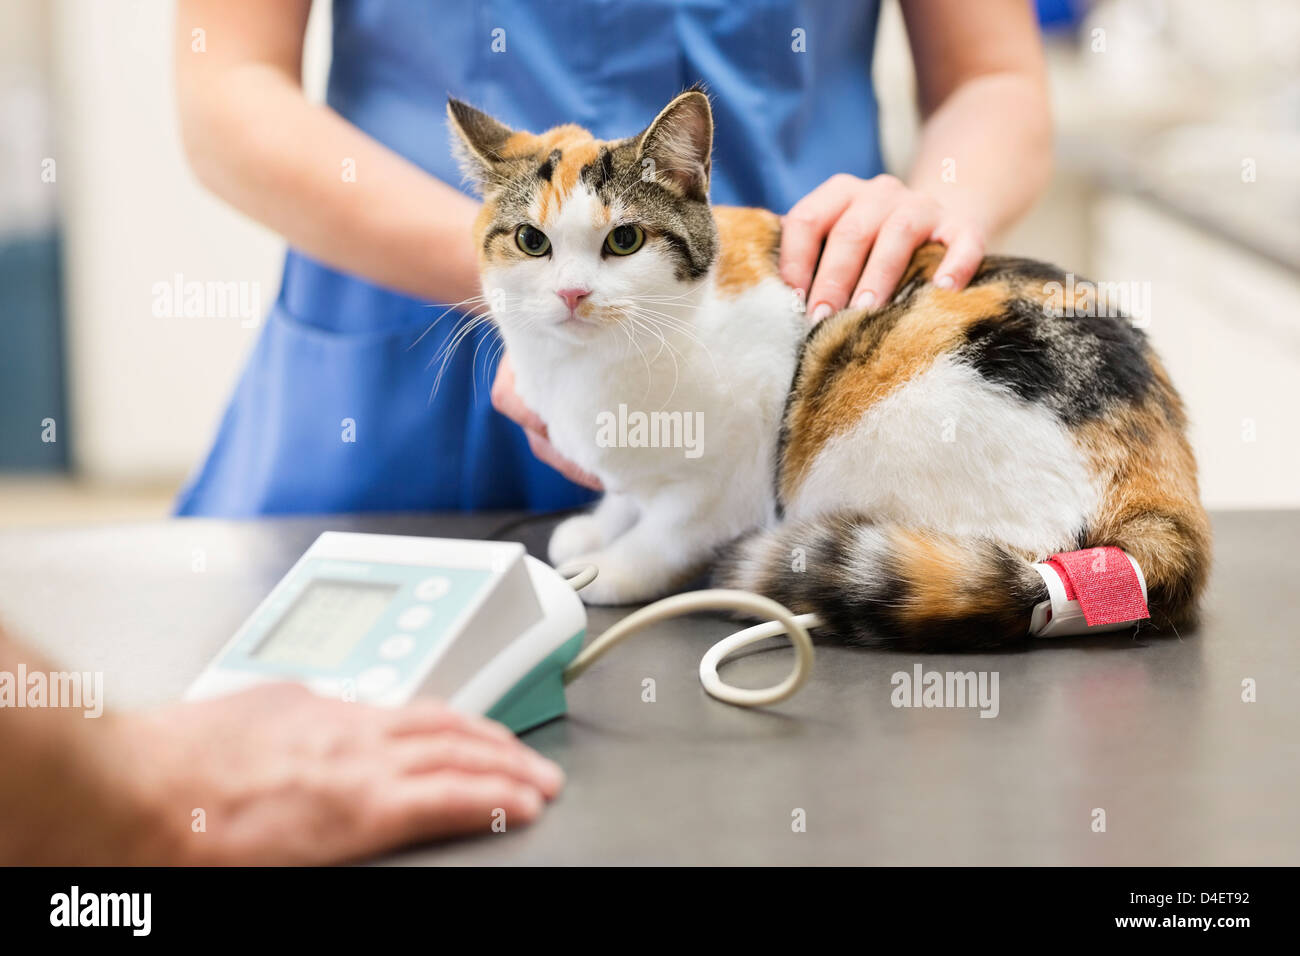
{"x": 383, "y": 618}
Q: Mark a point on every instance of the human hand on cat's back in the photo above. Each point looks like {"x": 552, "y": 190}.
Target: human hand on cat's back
{"x": 870, "y": 228}
{"x": 508, "y": 403}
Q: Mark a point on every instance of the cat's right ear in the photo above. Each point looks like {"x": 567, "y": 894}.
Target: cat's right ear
{"x": 478, "y": 142}
{"x": 679, "y": 143}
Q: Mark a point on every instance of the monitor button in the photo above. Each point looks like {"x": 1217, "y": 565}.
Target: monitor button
{"x": 414, "y": 618}
{"x": 431, "y": 589}
{"x": 396, "y": 647}
{"x": 376, "y": 680}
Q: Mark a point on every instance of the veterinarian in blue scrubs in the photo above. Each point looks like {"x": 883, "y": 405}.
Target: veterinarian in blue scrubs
{"x": 336, "y": 409}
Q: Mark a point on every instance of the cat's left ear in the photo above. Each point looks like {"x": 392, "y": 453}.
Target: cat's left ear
{"x": 480, "y": 140}
{"x": 679, "y": 143}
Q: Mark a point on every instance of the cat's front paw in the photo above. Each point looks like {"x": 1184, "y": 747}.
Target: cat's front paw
{"x": 621, "y": 582}
{"x": 574, "y": 536}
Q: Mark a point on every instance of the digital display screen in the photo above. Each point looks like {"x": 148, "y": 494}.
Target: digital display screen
{"x": 327, "y": 621}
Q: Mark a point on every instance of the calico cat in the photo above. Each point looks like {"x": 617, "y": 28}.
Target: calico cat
{"x": 894, "y": 471}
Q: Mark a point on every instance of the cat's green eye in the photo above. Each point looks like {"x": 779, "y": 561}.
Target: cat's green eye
{"x": 625, "y": 239}
{"x": 532, "y": 240}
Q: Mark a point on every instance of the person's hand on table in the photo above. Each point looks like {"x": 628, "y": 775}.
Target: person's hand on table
{"x": 870, "y": 228}
{"x": 509, "y": 404}
{"x": 284, "y": 776}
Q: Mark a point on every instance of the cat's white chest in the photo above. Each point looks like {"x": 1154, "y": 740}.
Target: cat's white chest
{"x": 699, "y": 394}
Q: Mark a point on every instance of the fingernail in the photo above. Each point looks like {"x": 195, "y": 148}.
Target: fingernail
{"x": 945, "y": 282}
{"x": 822, "y": 311}
{"x": 550, "y": 773}
{"x": 867, "y": 300}
{"x": 532, "y": 803}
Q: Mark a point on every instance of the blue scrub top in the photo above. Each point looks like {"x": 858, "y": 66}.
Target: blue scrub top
{"x": 335, "y": 410}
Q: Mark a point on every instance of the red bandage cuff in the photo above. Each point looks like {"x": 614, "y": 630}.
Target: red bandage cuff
{"x": 1092, "y": 590}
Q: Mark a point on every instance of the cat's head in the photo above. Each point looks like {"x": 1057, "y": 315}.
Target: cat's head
{"x": 576, "y": 234}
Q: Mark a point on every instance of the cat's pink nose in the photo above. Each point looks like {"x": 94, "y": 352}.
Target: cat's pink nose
{"x": 573, "y": 296}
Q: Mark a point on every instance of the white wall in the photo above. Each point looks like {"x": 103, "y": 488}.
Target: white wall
{"x": 1226, "y": 325}
{"x": 147, "y": 392}
{"x": 26, "y": 203}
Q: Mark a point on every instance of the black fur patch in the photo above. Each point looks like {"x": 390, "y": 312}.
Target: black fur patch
{"x": 994, "y": 268}
{"x": 905, "y": 294}
{"x": 1008, "y": 350}
{"x": 547, "y": 169}
{"x": 850, "y": 613}
{"x": 689, "y": 265}
{"x": 1078, "y": 366}
{"x": 599, "y": 172}
{"x": 492, "y": 232}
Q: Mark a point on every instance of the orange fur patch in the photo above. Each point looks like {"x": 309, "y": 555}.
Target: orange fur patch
{"x": 925, "y": 261}
{"x": 1151, "y": 505}
{"x": 946, "y": 578}
{"x": 577, "y": 148}
{"x": 749, "y": 240}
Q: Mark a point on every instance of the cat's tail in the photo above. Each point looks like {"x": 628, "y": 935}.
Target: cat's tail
{"x": 890, "y": 586}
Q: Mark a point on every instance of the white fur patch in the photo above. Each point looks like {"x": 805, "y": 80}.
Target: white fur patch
{"x": 866, "y": 562}
{"x": 955, "y": 453}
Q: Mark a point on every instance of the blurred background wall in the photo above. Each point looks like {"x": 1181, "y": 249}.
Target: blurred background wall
{"x": 91, "y": 133}
{"x": 1178, "y": 171}
{"x": 31, "y": 347}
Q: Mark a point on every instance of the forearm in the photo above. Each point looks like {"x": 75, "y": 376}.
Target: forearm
{"x": 334, "y": 193}
{"x": 985, "y": 152}
{"x": 57, "y": 801}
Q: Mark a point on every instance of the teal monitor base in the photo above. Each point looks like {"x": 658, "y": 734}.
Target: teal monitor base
{"x": 539, "y": 696}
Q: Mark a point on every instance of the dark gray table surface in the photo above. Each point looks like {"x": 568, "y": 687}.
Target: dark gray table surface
{"x": 1153, "y": 730}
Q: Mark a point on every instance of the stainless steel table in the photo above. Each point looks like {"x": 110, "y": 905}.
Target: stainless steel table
{"x": 1153, "y": 731}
